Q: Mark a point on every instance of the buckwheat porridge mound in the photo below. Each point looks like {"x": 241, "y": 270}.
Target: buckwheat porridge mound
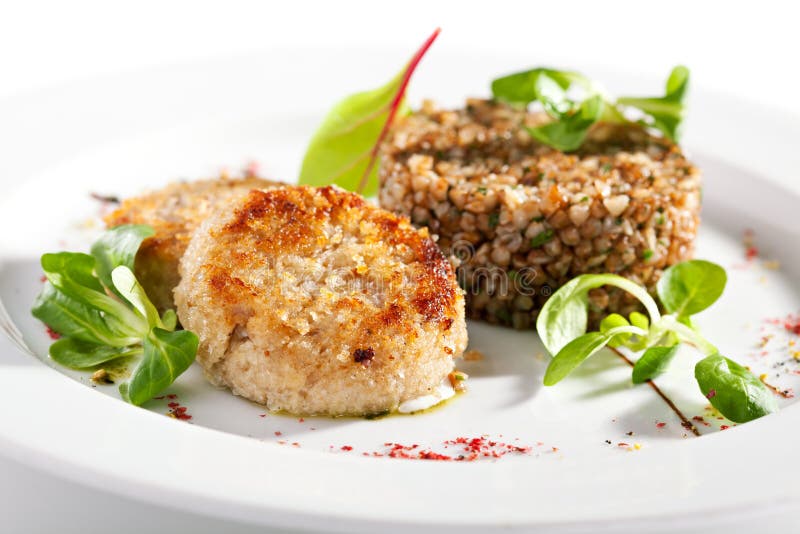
{"x": 524, "y": 218}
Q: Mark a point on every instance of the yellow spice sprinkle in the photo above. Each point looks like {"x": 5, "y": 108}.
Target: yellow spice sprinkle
{"x": 101, "y": 377}
{"x": 88, "y": 224}
{"x": 637, "y": 446}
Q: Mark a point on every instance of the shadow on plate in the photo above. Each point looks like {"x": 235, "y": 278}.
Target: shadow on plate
{"x": 20, "y": 282}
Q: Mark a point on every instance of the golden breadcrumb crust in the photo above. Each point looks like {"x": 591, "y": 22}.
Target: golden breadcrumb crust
{"x": 174, "y": 212}
{"x": 313, "y": 301}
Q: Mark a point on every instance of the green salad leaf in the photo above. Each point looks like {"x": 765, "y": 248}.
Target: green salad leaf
{"x": 569, "y": 132}
{"x": 579, "y": 349}
{"x": 118, "y": 247}
{"x": 74, "y": 319}
{"x": 76, "y": 354}
{"x": 345, "y": 147}
{"x": 572, "y": 355}
{"x": 666, "y": 113}
{"x": 690, "y": 287}
{"x": 564, "y": 315}
{"x": 103, "y": 313}
{"x": 733, "y": 390}
{"x": 129, "y": 288}
{"x": 573, "y": 117}
{"x": 652, "y": 363}
{"x": 548, "y": 86}
{"x": 166, "y": 355}
{"x": 72, "y": 273}
{"x": 610, "y": 322}
{"x": 684, "y": 289}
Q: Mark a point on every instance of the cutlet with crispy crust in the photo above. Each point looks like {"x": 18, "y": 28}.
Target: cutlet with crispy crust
{"x": 175, "y": 212}
{"x": 313, "y": 301}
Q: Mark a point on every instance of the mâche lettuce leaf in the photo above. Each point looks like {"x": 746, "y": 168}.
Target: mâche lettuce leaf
{"x": 573, "y": 116}
{"x": 95, "y": 302}
{"x": 684, "y": 289}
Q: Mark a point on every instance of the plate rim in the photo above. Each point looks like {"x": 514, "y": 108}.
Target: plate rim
{"x": 33, "y": 455}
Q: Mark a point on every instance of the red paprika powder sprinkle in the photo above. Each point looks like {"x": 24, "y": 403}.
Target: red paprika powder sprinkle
{"x": 52, "y": 333}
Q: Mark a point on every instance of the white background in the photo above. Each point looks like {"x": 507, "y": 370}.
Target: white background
{"x": 747, "y": 49}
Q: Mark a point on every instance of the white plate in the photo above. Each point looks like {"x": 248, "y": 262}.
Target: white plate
{"x": 125, "y": 134}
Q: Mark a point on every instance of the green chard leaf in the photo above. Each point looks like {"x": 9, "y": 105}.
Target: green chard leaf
{"x": 564, "y": 315}
{"x": 652, "y": 363}
{"x": 77, "y": 354}
{"x": 733, "y": 390}
{"x": 166, "y": 355}
{"x": 345, "y": 148}
{"x": 690, "y": 287}
{"x": 118, "y": 247}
